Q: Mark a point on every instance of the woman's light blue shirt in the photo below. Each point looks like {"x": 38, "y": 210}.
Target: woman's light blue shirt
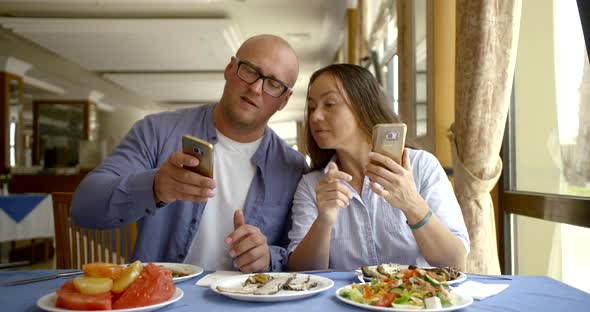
{"x": 369, "y": 230}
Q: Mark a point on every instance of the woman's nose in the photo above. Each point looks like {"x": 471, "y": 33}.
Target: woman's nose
{"x": 316, "y": 115}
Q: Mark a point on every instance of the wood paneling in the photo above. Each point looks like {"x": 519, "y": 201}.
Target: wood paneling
{"x": 44, "y": 183}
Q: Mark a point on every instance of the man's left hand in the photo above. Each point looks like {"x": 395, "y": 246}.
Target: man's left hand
{"x": 248, "y": 246}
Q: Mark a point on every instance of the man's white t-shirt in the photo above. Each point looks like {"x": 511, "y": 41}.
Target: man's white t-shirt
{"x": 233, "y": 172}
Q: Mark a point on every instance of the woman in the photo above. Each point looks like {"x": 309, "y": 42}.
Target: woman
{"x": 357, "y": 207}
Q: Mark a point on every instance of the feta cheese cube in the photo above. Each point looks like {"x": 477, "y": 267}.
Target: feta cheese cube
{"x": 432, "y": 303}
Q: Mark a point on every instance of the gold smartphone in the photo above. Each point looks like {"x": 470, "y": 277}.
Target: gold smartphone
{"x": 201, "y": 149}
{"x": 390, "y": 140}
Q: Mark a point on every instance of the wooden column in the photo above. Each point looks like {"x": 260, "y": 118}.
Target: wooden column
{"x": 444, "y": 77}
{"x": 301, "y": 137}
{"x": 407, "y": 64}
{"x": 352, "y": 14}
{"x": 363, "y": 48}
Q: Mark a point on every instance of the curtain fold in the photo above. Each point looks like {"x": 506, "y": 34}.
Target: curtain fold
{"x": 487, "y": 38}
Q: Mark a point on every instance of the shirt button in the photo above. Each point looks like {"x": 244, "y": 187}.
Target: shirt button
{"x": 147, "y": 211}
{"x": 193, "y": 221}
{"x": 180, "y": 256}
{"x": 121, "y": 220}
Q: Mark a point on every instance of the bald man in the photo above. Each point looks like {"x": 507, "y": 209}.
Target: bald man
{"x": 239, "y": 218}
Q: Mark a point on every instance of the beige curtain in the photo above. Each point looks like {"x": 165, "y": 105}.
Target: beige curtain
{"x": 487, "y": 37}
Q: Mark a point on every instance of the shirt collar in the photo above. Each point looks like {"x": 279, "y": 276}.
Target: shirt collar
{"x": 209, "y": 118}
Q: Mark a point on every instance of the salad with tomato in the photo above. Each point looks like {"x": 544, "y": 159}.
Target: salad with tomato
{"x": 107, "y": 286}
{"x": 409, "y": 288}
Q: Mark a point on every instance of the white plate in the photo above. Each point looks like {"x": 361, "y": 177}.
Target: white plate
{"x": 192, "y": 269}
{"x": 461, "y": 300}
{"x": 282, "y": 295}
{"x": 47, "y": 303}
{"x": 461, "y": 278}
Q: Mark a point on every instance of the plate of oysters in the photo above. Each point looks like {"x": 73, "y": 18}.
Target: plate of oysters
{"x": 271, "y": 287}
{"x": 181, "y": 271}
{"x": 447, "y": 275}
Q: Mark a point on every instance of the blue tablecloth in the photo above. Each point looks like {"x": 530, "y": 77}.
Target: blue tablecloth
{"x": 526, "y": 293}
{"x": 18, "y": 206}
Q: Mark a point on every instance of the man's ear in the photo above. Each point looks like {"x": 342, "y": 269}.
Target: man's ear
{"x": 227, "y": 72}
{"x": 287, "y": 96}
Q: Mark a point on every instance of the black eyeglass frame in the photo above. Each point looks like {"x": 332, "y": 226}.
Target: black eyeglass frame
{"x": 260, "y": 75}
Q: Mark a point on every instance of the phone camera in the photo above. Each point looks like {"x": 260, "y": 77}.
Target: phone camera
{"x": 392, "y": 136}
{"x": 198, "y": 151}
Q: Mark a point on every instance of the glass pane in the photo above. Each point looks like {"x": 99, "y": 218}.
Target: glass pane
{"x": 287, "y": 130}
{"x": 560, "y": 256}
{"x": 390, "y": 36}
{"x": 421, "y": 68}
{"x": 391, "y": 74}
{"x": 551, "y": 120}
{"x": 551, "y": 112}
{"x": 61, "y": 128}
{"x": 14, "y": 108}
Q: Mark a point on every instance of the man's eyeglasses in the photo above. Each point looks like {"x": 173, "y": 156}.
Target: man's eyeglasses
{"x": 250, "y": 75}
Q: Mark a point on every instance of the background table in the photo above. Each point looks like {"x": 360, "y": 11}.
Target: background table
{"x": 36, "y": 222}
{"x": 526, "y": 293}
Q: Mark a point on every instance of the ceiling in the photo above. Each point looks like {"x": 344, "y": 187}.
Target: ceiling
{"x": 158, "y": 55}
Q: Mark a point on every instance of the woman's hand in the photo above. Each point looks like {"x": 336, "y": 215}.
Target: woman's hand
{"x": 332, "y": 195}
{"x": 397, "y": 180}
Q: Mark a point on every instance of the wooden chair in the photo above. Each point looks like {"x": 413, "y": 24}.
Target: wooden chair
{"x": 76, "y": 246}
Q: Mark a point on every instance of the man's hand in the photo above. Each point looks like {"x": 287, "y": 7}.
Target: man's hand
{"x": 173, "y": 182}
{"x": 248, "y": 246}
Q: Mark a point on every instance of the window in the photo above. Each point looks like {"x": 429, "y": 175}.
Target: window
{"x": 548, "y": 145}
{"x": 420, "y": 38}
{"x": 404, "y": 63}
{"x": 392, "y": 77}
{"x": 287, "y": 130}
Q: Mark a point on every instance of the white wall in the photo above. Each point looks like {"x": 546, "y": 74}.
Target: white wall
{"x": 113, "y": 126}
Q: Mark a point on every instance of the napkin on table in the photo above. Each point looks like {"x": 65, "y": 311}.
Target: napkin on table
{"x": 208, "y": 279}
{"x": 480, "y": 291}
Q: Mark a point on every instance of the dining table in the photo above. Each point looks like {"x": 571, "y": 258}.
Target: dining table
{"x": 525, "y": 293}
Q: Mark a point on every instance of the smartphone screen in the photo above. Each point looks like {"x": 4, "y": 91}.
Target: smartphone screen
{"x": 389, "y": 140}
{"x": 201, "y": 149}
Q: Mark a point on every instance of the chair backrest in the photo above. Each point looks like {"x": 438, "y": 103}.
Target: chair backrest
{"x": 76, "y": 246}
